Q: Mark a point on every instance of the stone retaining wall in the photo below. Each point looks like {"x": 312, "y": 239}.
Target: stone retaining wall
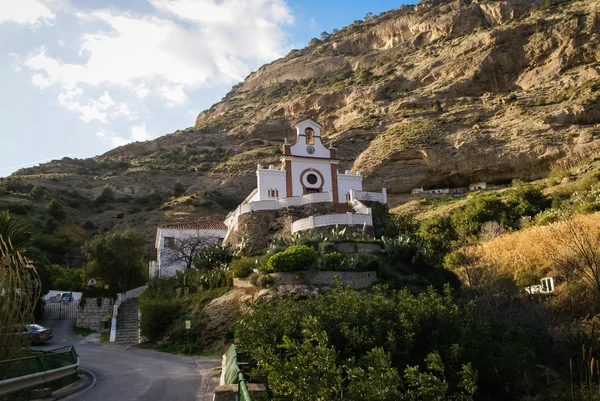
{"x": 356, "y": 280}
{"x": 357, "y": 247}
{"x": 90, "y": 315}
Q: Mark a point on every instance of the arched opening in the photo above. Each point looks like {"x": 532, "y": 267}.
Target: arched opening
{"x": 310, "y": 136}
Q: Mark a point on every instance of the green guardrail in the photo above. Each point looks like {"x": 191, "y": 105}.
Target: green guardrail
{"x": 42, "y": 362}
{"x": 233, "y": 375}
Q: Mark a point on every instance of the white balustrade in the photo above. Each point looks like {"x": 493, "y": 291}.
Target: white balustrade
{"x": 331, "y": 220}
{"x": 275, "y": 204}
{"x": 380, "y": 197}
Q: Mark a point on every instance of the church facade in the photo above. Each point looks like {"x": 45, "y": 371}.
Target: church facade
{"x": 308, "y": 174}
{"x": 308, "y": 167}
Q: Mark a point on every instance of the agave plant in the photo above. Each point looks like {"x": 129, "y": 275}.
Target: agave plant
{"x": 337, "y": 234}
{"x": 403, "y": 248}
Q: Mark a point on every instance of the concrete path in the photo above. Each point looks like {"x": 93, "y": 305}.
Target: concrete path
{"x": 135, "y": 374}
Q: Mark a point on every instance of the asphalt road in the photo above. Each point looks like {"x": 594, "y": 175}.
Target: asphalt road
{"x": 135, "y": 374}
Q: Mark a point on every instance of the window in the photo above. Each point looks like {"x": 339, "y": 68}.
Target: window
{"x": 312, "y": 190}
{"x": 311, "y": 179}
{"x": 169, "y": 242}
{"x": 273, "y": 193}
{"x": 310, "y": 136}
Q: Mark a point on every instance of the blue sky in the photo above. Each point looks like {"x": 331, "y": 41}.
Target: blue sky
{"x": 79, "y": 77}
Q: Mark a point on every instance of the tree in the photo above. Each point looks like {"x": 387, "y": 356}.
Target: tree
{"x": 13, "y": 231}
{"x": 117, "y": 258}
{"x": 178, "y": 189}
{"x": 185, "y": 248}
{"x": 324, "y": 35}
{"x": 368, "y": 16}
{"x": 56, "y": 210}
{"x": 437, "y": 106}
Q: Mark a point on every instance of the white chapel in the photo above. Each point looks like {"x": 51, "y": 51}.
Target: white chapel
{"x": 309, "y": 174}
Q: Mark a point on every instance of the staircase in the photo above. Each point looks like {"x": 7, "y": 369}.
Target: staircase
{"x": 343, "y": 208}
{"x": 128, "y": 333}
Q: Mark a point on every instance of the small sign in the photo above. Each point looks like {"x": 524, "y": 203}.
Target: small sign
{"x": 92, "y": 282}
{"x": 188, "y": 324}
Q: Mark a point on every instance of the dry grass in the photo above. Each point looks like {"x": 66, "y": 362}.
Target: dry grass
{"x": 534, "y": 247}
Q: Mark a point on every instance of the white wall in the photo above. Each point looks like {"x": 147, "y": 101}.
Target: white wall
{"x": 299, "y": 165}
{"x": 269, "y": 179}
{"x": 346, "y": 182}
{"x": 165, "y": 267}
{"x": 299, "y": 148}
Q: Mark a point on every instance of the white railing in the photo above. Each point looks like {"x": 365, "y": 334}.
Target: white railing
{"x": 380, "y": 197}
{"x": 275, "y": 204}
{"x": 331, "y": 220}
{"x": 122, "y": 297}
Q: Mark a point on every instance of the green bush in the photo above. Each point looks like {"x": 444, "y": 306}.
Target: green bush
{"x": 295, "y": 258}
{"x": 244, "y": 266}
{"x": 213, "y": 256}
{"x": 332, "y": 261}
{"x": 157, "y": 316}
{"x": 408, "y": 328}
{"x": 327, "y": 248}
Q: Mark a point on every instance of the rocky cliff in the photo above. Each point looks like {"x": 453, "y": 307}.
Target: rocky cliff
{"x": 441, "y": 93}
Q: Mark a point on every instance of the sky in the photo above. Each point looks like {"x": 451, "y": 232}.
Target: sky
{"x": 80, "y": 77}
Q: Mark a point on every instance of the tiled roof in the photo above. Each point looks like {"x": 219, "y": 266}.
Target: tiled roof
{"x": 198, "y": 225}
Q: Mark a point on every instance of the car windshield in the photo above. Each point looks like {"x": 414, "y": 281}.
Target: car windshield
{"x": 35, "y": 327}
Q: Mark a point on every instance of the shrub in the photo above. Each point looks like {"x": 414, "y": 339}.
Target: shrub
{"x": 158, "y": 315}
{"x": 295, "y": 258}
{"x": 212, "y": 257}
{"x": 38, "y": 192}
{"x": 178, "y": 189}
{"x": 467, "y": 221}
{"x": 326, "y": 248}
{"x": 436, "y": 234}
{"x": 244, "y": 266}
{"x": 332, "y": 261}
{"x": 55, "y": 210}
{"x": 108, "y": 195}
{"x": 407, "y": 327}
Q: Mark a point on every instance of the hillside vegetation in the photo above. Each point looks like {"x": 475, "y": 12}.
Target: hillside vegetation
{"x": 442, "y": 93}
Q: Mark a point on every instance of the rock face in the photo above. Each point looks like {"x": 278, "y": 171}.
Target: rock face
{"x": 441, "y": 93}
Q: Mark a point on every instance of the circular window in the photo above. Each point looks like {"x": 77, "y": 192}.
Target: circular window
{"x": 311, "y": 179}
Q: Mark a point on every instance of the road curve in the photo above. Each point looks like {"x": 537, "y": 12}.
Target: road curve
{"x": 136, "y": 374}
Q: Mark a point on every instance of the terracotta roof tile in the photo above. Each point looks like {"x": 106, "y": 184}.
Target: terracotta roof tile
{"x": 198, "y": 225}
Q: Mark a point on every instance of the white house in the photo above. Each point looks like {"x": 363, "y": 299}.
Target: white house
{"x": 176, "y": 244}
{"x": 308, "y": 174}
{"x": 477, "y": 186}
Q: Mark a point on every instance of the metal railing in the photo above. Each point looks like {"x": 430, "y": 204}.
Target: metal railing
{"x": 30, "y": 372}
{"x": 232, "y": 374}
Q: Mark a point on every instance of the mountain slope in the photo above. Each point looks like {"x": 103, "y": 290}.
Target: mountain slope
{"x": 442, "y": 93}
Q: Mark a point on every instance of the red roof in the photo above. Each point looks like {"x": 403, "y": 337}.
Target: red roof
{"x": 198, "y": 225}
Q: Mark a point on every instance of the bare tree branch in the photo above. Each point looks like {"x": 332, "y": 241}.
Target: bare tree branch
{"x": 185, "y": 248}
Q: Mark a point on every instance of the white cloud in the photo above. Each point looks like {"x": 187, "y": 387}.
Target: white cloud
{"x": 184, "y": 45}
{"x": 96, "y": 109}
{"x": 138, "y": 133}
{"x": 112, "y": 138}
{"x": 24, "y": 11}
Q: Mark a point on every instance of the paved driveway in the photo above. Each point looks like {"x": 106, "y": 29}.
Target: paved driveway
{"x": 136, "y": 374}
